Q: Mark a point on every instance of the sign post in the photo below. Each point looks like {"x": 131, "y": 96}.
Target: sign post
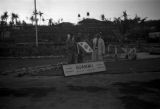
{"x": 35, "y": 12}
{"x": 83, "y": 68}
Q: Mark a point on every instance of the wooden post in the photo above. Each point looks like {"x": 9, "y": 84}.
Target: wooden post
{"x": 36, "y": 23}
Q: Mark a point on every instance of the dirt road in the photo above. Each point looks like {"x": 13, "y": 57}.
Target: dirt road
{"x": 93, "y": 91}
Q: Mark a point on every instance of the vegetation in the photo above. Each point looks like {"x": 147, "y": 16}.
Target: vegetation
{"x": 121, "y": 29}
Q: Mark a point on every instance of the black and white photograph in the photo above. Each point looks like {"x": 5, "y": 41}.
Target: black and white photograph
{"x": 79, "y": 54}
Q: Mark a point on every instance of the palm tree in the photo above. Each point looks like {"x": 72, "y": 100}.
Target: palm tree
{"x": 50, "y": 22}
{"x": 2, "y": 21}
{"x": 59, "y": 21}
{"x": 43, "y": 20}
{"x": 4, "y": 18}
{"x": 6, "y": 15}
{"x": 79, "y": 16}
{"x": 40, "y": 16}
{"x": 125, "y": 22}
{"x": 143, "y": 20}
{"x": 24, "y": 23}
{"x": 117, "y": 20}
{"x": 16, "y": 17}
{"x": 103, "y": 17}
{"x": 13, "y": 17}
{"x": 11, "y": 23}
{"x": 32, "y": 19}
{"x": 125, "y": 15}
{"x": 88, "y": 14}
{"x": 136, "y": 19}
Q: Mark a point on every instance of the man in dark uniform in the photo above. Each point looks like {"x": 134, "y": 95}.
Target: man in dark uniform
{"x": 71, "y": 49}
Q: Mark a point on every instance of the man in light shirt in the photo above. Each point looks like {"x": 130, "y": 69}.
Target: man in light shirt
{"x": 98, "y": 48}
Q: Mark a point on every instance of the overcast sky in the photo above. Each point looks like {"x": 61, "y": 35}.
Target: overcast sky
{"x": 69, "y": 9}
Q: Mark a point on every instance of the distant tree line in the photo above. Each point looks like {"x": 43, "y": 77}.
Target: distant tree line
{"x": 119, "y": 29}
{"x": 128, "y": 28}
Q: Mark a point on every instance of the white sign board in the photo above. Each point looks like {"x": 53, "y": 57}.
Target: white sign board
{"x": 83, "y": 68}
{"x": 85, "y": 47}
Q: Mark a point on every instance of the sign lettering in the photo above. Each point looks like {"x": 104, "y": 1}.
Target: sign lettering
{"x": 83, "y": 68}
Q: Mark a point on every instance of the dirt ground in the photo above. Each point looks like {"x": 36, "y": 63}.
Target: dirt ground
{"x": 96, "y": 91}
{"x": 125, "y": 85}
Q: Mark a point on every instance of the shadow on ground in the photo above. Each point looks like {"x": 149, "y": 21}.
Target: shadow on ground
{"x": 140, "y": 95}
{"x": 87, "y": 88}
{"x": 24, "y": 92}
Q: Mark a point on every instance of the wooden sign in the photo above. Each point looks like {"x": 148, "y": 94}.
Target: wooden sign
{"x": 83, "y": 68}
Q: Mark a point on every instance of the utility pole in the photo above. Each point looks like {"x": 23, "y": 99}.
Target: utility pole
{"x": 35, "y": 10}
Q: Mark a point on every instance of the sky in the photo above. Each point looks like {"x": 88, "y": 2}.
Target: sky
{"x": 69, "y": 9}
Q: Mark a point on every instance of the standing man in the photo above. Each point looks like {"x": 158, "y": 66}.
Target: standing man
{"x": 98, "y": 48}
{"x": 95, "y": 48}
{"x": 79, "y": 51}
{"x": 68, "y": 46}
{"x": 71, "y": 49}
